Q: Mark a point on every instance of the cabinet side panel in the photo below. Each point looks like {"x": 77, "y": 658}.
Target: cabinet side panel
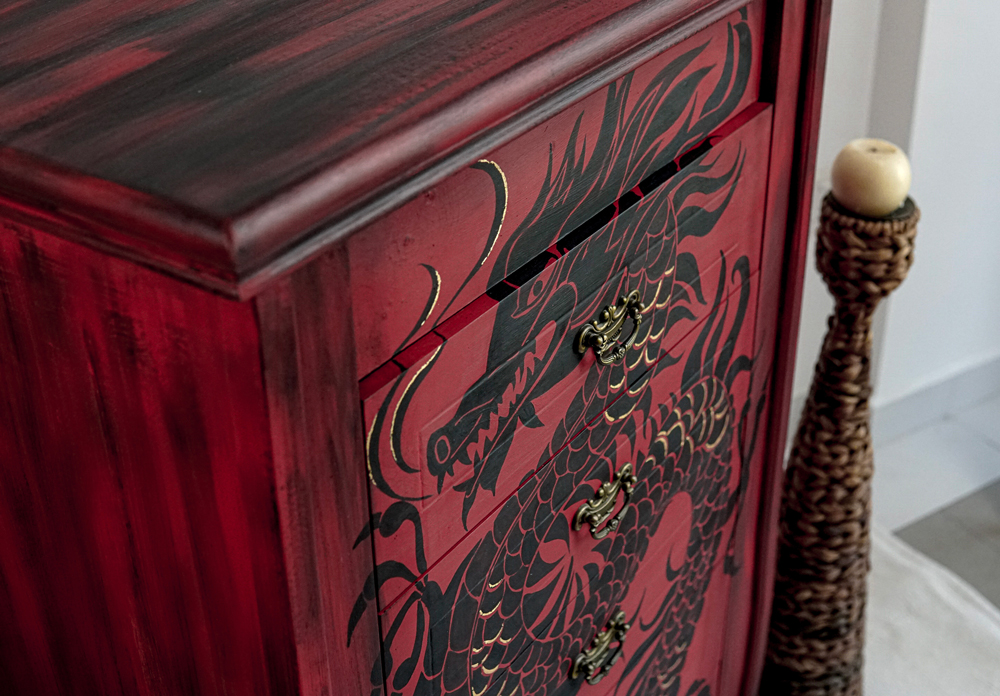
{"x": 309, "y": 372}
{"x": 139, "y": 543}
{"x": 794, "y": 69}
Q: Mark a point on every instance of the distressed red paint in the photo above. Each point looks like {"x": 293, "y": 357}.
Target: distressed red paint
{"x": 140, "y": 548}
{"x": 195, "y": 496}
{"x": 402, "y": 416}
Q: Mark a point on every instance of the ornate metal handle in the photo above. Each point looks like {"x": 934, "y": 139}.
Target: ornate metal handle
{"x": 598, "y": 509}
{"x": 598, "y": 659}
{"x": 602, "y": 333}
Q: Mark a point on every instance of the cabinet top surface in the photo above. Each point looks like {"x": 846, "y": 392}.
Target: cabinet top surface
{"x": 238, "y": 126}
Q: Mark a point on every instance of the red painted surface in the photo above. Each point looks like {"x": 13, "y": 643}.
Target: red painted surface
{"x": 233, "y": 133}
{"x": 139, "y": 544}
{"x": 403, "y": 417}
{"x": 539, "y": 590}
{"x": 798, "y": 61}
{"x": 320, "y": 485}
{"x": 542, "y": 186}
{"x": 184, "y": 500}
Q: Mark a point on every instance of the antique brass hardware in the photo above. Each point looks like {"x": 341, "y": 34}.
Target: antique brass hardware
{"x": 599, "y": 508}
{"x": 602, "y": 333}
{"x": 598, "y": 659}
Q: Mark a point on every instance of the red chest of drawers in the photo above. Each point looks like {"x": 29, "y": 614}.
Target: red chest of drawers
{"x": 390, "y": 347}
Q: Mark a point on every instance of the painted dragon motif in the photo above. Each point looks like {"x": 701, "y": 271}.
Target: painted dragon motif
{"x": 519, "y": 597}
{"x": 522, "y": 597}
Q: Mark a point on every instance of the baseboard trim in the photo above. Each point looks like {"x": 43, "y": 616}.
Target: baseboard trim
{"x": 897, "y": 418}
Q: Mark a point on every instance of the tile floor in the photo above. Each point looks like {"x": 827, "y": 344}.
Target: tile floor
{"x": 961, "y": 454}
{"x": 964, "y": 537}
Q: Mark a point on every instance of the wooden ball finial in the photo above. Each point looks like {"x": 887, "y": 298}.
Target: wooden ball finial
{"x": 871, "y": 177}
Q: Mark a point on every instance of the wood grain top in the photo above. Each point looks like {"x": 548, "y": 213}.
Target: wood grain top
{"x": 229, "y": 141}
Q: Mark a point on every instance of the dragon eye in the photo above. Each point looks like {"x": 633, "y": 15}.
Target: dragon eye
{"x": 442, "y": 448}
{"x": 536, "y": 288}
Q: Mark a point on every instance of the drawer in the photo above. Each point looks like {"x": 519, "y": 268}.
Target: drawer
{"x": 456, "y": 433}
{"x": 508, "y": 609}
{"x": 407, "y": 272}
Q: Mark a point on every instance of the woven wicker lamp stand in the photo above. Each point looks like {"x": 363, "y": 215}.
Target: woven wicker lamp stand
{"x": 817, "y": 623}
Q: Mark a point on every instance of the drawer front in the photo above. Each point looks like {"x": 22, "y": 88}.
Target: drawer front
{"x": 407, "y": 272}
{"x": 454, "y": 435}
{"x": 509, "y": 608}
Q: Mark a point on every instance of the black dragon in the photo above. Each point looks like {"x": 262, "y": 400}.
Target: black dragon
{"x": 508, "y": 612}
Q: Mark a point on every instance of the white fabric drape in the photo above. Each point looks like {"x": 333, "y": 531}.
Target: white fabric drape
{"x": 928, "y": 633}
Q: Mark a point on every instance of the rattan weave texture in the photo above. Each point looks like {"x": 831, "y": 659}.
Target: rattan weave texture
{"x": 817, "y": 621}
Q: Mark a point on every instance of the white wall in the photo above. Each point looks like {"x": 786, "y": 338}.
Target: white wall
{"x": 924, "y": 74}
{"x": 945, "y": 319}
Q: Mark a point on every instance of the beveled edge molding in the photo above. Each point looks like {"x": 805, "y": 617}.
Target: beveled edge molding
{"x": 237, "y": 258}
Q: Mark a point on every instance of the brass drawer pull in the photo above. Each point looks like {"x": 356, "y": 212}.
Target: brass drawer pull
{"x": 598, "y": 509}
{"x": 602, "y": 333}
{"x": 598, "y": 659}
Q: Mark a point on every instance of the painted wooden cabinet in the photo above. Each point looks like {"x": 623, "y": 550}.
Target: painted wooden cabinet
{"x": 391, "y": 347}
